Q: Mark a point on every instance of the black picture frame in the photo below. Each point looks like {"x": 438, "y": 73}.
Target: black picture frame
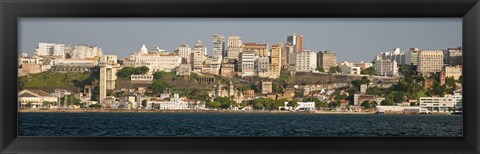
{"x": 12, "y": 10}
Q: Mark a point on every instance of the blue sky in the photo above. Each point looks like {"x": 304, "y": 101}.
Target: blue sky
{"x": 353, "y": 39}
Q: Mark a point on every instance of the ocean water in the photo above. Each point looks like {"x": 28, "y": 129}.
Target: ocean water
{"x": 236, "y": 124}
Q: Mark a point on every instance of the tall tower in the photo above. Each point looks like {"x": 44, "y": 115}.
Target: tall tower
{"x": 218, "y": 45}
{"x": 108, "y": 74}
{"x": 235, "y": 47}
{"x": 231, "y": 91}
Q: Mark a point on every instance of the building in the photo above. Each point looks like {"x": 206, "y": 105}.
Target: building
{"x": 141, "y": 78}
{"x": 395, "y": 55}
{"x": 363, "y": 65}
{"x": 276, "y": 60}
{"x": 448, "y": 103}
{"x": 84, "y": 51}
{"x": 450, "y": 71}
{"x": 219, "y": 45}
{"x": 184, "y": 69}
{"x": 108, "y": 75}
{"x": 411, "y": 57}
{"x": 228, "y": 69}
{"x": 454, "y": 56}
{"x": 175, "y": 103}
{"x": 358, "y": 99}
{"x": 363, "y": 88}
{"x": 386, "y": 67}
{"x": 154, "y": 61}
{"x": 73, "y": 65}
{"x": 211, "y": 65}
{"x": 235, "y": 47}
{"x": 266, "y": 87}
{"x": 262, "y": 66}
{"x": 52, "y": 49}
{"x": 260, "y": 49}
{"x": 430, "y": 61}
{"x": 199, "y": 55}
{"x": 247, "y": 63}
{"x": 249, "y": 94}
{"x": 184, "y": 51}
{"x": 305, "y": 106}
{"x": 326, "y": 60}
{"x": 306, "y": 61}
{"x": 296, "y": 41}
{"x": 349, "y": 68}
{"x": 35, "y": 98}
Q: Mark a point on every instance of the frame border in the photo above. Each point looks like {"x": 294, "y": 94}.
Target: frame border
{"x": 11, "y": 10}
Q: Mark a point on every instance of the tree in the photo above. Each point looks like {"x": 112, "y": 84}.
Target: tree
{"x": 141, "y": 70}
{"x": 451, "y": 83}
{"x": 366, "y": 105}
{"x": 96, "y": 106}
{"x": 369, "y": 71}
{"x": 160, "y": 86}
{"x": 388, "y": 102}
{"x": 144, "y": 103}
{"x": 125, "y": 72}
{"x": 335, "y": 69}
{"x": 320, "y": 69}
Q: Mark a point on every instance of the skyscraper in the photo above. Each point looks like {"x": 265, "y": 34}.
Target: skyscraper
{"x": 326, "y": 60}
{"x": 235, "y": 47}
{"x": 276, "y": 57}
{"x": 296, "y": 41}
{"x": 429, "y": 62}
{"x": 219, "y": 45}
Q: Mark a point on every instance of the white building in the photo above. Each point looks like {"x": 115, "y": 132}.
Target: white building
{"x": 386, "y": 67}
{"x": 262, "y": 64}
{"x": 36, "y": 98}
{"x": 306, "y": 61}
{"x": 248, "y": 63}
{"x": 84, "y": 51}
{"x": 395, "y": 55}
{"x": 349, "y": 68}
{"x": 411, "y": 57}
{"x": 175, "y": 103}
{"x": 305, "y": 106}
{"x": 448, "y": 103}
{"x": 154, "y": 61}
{"x": 52, "y": 49}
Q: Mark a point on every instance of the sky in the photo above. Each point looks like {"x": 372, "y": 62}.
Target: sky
{"x": 353, "y": 39}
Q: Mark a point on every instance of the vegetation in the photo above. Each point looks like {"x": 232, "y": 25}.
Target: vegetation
{"x": 369, "y": 71}
{"x": 58, "y": 80}
{"x": 320, "y": 69}
{"x": 335, "y": 69}
{"x": 126, "y": 72}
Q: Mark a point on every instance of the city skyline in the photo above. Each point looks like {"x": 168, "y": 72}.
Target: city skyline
{"x": 343, "y": 36}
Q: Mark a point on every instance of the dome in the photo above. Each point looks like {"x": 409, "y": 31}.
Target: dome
{"x": 143, "y": 49}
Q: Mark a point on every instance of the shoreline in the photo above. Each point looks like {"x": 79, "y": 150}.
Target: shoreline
{"x": 188, "y": 111}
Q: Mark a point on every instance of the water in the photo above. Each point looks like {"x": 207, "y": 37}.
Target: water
{"x": 220, "y": 124}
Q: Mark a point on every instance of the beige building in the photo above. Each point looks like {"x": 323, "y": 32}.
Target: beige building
{"x": 184, "y": 69}
{"x": 235, "y": 47}
{"x": 260, "y": 49}
{"x": 83, "y": 51}
{"x": 185, "y": 52}
{"x": 276, "y": 60}
{"x": 199, "y": 57}
{"x": 35, "y": 97}
{"x": 430, "y": 61}
{"x": 266, "y": 87}
{"x": 450, "y": 71}
{"x": 108, "y": 74}
{"x": 227, "y": 70}
{"x": 326, "y": 60}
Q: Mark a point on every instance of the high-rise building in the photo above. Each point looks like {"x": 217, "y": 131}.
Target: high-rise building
{"x": 326, "y": 60}
{"x": 276, "y": 60}
{"x": 247, "y": 63}
{"x": 185, "y": 52}
{"x": 430, "y": 61}
{"x": 411, "y": 57}
{"x": 262, "y": 64}
{"x": 198, "y": 56}
{"x": 296, "y": 41}
{"x": 306, "y": 61}
{"x": 108, "y": 75}
{"x": 386, "y": 67}
{"x": 260, "y": 49}
{"x": 454, "y": 56}
{"x": 52, "y": 49}
{"x": 84, "y": 51}
{"x": 218, "y": 45}
{"x": 395, "y": 55}
{"x": 235, "y": 47}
